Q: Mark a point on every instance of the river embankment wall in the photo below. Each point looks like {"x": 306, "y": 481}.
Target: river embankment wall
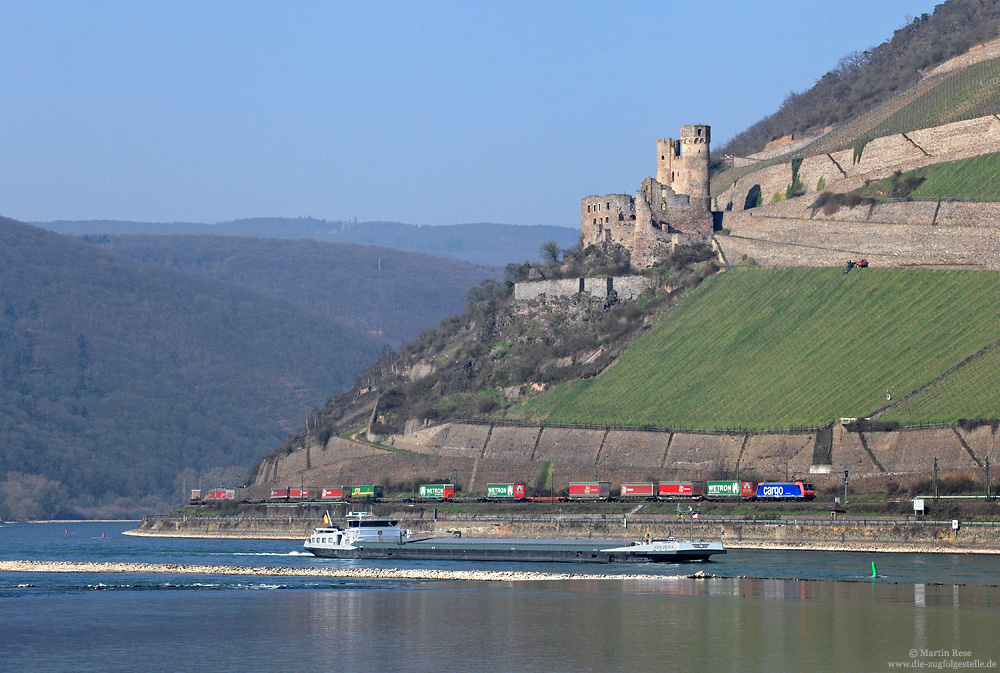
{"x": 846, "y": 534}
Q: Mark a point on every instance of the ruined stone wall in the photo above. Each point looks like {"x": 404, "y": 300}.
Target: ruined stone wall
{"x": 607, "y": 219}
{"x": 562, "y": 287}
{"x": 627, "y": 288}
{"x": 675, "y": 202}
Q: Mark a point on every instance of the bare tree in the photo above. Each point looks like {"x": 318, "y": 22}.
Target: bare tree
{"x": 550, "y": 252}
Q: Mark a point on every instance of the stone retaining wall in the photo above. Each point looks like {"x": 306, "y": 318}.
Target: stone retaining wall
{"x": 461, "y": 453}
{"x": 879, "y": 158}
{"x": 847, "y": 535}
{"x": 959, "y": 235}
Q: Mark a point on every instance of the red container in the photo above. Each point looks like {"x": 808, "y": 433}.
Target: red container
{"x": 332, "y": 493}
{"x": 302, "y": 493}
{"x": 644, "y": 490}
{"x": 589, "y": 490}
{"x": 681, "y": 489}
{"x": 221, "y": 494}
{"x": 747, "y": 489}
{"x": 279, "y": 493}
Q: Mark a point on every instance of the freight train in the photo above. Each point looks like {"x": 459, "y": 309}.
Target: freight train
{"x": 516, "y": 492}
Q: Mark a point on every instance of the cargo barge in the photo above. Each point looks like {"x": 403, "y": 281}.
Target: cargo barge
{"x": 365, "y": 537}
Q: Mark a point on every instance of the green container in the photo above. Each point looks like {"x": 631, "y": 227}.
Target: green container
{"x": 437, "y": 491}
{"x": 720, "y": 489}
{"x": 505, "y": 491}
{"x": 366, "y": 491}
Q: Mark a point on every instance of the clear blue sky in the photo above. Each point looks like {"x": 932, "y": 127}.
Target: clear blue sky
{"x": 420, "y": 112}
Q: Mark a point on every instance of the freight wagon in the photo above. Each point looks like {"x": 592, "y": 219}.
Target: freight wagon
{"x": 589, "y": 490}
{"x": 505, "y": 491}
{"x": 632, "y": 491}
{"x": 332, "y": 493}
{"x": 798, "y": 490}
{"x": 680, "y": 489}
{"x": 437, "y": 491}
{"x": 729, "y": 489}
{"x": 292, "y": 494}
{"x": 221, "y": 494}
{"x": 366, "y": 492}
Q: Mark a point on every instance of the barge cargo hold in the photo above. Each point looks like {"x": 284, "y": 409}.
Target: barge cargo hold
{"x": 368, "y": 538}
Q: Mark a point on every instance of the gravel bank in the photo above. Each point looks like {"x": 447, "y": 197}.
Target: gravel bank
{"x": 869, "y": 547}
{"x": 360, "y": 573}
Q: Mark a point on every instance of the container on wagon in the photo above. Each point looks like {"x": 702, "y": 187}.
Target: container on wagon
{"x": 729, "y": 489}
{"x": 638, "y": 490}
{"x": 680, "y": 489}
{"x": 506, "y": 491}
{"x": 589, "y": 490}
{"x": 302, "y": 493}
{"x": 331, "y": 493}
{"x": 437, "y": 491}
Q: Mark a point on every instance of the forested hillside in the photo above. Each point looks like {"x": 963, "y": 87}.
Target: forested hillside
{"x": 119, "y": 381}
{"x": 482, "y": 243}
{"x": 390, "y": 295}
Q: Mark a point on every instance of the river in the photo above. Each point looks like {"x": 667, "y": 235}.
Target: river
{"x": 766, "y": 611}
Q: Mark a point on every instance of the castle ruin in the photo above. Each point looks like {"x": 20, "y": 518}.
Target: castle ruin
{"x": 672, "y": 209}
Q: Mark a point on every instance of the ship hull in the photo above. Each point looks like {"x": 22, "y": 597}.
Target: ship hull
{"x": 536, "y": 551}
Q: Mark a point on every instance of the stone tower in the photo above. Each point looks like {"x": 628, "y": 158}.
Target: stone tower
{"x": 695, "y": 140}
{"x": 682, "y": 164}
{"x": 668, "y": 161}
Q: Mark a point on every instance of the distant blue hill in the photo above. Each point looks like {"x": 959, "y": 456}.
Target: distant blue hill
{"x": 481, "y": 243}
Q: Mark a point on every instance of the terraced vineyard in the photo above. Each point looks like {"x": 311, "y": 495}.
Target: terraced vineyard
{"x": 975, "y": 179}
{"x": 964, "y": 94}
{"x": 776, "y": 348}
{"x": 956, "y": 96}
{"x": 971, "y": 392}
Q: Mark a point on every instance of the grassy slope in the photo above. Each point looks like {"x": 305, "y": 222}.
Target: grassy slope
{"x": 976, "y": 178}
{"x": 772, "y": 348}
{"x": 972, "y": 392}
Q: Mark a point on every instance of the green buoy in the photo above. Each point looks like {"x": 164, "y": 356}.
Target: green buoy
{"x": 874, "y": 572}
